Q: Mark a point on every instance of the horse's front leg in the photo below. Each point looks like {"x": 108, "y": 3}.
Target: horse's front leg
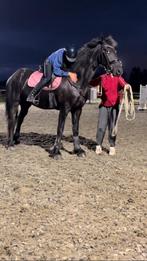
{"x": 75, "y": 128}
{"x": 55, "y": 150}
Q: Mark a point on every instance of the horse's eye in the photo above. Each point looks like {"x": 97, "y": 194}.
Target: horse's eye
{"x": 108, "y": 51}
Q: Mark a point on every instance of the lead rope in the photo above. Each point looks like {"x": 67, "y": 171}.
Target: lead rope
{"x": 128, "y": 103}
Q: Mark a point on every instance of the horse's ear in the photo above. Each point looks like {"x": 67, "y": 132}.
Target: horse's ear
{"x": 109, "y": 40}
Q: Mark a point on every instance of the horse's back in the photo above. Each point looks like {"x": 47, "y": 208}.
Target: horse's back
{"x": 19, "y": 77}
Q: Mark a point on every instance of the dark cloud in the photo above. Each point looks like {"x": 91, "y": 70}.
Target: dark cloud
{"x": 31, "y": 29}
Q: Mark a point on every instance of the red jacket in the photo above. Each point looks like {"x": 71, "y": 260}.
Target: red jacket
{"x": 111, "y": 85}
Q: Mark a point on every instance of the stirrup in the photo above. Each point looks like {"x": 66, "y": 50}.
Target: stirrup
{"x": 31, "y": 98}
{"x": 35, "y": 102}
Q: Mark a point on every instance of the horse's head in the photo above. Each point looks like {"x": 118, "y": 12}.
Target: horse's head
{"x": 106, "y": 55}
{"x": 99, "y": 51}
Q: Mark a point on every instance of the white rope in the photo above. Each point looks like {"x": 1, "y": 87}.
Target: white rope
{"x": 128, "y": 103}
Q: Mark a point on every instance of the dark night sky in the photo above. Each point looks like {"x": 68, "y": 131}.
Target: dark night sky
{"x": 31, "y": 29}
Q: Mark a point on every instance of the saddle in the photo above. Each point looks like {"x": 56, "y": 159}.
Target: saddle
{"x": 36, "y": 76}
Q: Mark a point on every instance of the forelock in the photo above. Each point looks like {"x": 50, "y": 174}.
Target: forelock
{"x": 110, "y": 41}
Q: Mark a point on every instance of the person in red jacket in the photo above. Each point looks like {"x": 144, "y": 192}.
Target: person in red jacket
{"x": 111, "y": 83}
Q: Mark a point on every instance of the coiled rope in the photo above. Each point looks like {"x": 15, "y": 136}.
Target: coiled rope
{"x": 128, "y": 103}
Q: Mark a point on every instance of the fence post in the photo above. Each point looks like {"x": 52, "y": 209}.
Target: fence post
{"x": 143, "y": 98}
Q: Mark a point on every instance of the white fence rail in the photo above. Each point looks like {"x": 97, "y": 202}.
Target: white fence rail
{"x": 96, "y": 93}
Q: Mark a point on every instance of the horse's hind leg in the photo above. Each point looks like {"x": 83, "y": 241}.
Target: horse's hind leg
{"x": 23, "y": 112}
{"x": 12, "y": 118}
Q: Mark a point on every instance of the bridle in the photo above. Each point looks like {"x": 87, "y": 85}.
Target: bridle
{"x": 105, "y": 52}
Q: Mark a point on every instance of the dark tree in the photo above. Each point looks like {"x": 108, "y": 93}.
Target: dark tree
{"x": 135, "y": 78}
{"x": 144, "y": 77}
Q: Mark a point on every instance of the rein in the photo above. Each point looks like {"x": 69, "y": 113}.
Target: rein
{"x": 128, "y": 103}
{"x": 76, "y": 85}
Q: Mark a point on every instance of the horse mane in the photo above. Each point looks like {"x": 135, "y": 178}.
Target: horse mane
{"x": 110, "y": 41}
{"x": 84, "y": 53}
{"x": 92, "y": 44}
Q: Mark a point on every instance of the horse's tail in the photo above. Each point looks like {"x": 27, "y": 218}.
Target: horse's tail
{"x": 14, "y": 86}
{"x": 12, "y": 95}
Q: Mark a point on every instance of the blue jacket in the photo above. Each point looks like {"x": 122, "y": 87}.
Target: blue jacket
{"x": 56, "y": 60}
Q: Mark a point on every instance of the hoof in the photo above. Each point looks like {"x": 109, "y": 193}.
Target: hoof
{"x": 80, "y": 153}
{"x": 56, "y": 156}
{"x": 10, "y": 148}
{"x": 54, "y": 153}
{"x": 16, "y": 139}
{"x": 17, "y": 142}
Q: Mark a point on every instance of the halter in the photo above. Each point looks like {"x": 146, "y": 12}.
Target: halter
{"x": 105, "y": 53}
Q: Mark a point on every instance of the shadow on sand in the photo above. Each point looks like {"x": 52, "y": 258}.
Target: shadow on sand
{"x": 46, "y": 141}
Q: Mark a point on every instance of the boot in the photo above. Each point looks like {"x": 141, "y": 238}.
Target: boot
{"x": 98, "y": 150}
{"x": 112, "y": 151}
{"x": 34, "y": 92}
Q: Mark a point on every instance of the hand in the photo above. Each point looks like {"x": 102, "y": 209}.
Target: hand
{"x": 73, "y": 77}
{"x": 129, "y": 91}
{"x": 127, "y": 87}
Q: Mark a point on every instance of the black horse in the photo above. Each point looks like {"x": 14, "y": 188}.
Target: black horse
{"x": 68, "y": 97}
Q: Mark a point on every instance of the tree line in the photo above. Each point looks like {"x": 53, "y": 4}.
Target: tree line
{"x": 137, "y": 77}
{"x": 2, "y": 85}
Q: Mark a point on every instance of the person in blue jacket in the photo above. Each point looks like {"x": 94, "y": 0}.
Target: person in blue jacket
{"x": 59, "y": 64}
